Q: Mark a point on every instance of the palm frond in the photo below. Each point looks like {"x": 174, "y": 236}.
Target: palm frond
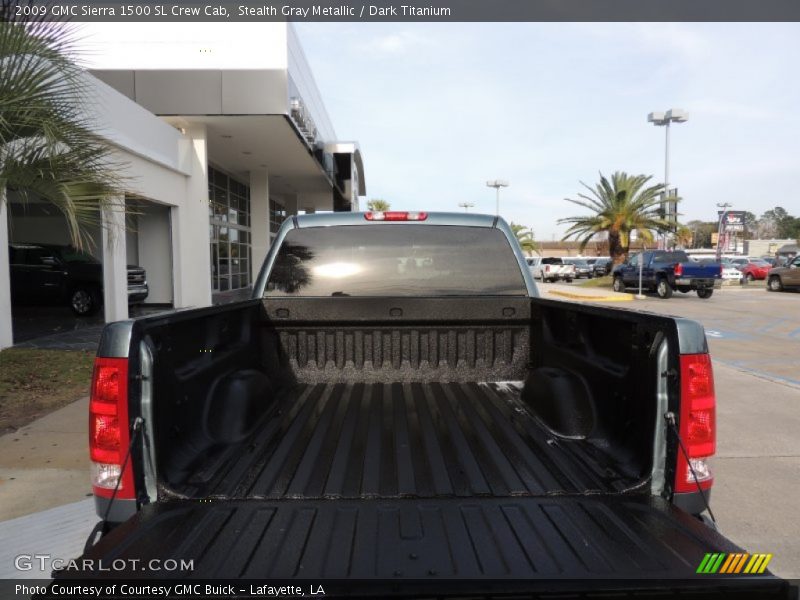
{"x": 48, "y": 149}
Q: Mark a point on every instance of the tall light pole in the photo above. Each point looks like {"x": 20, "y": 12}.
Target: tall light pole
{"x": 533, "y": 245}
{"x": 497, "y": 184}
{"x": 673, "y": 115}
{"x": 466, "y": 205}
{"x": 724, "y": 206}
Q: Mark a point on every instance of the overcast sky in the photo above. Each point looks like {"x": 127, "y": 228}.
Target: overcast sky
{"x": 440, "y": 108}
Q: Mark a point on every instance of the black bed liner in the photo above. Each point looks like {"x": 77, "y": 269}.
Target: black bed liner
{"x": 419, "y": 440}
{"x": 490, "y": 538}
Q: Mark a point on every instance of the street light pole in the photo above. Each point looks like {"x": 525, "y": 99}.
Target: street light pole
{"x": 640, "y": 295}
{"x": 666, "y": 167}
{"x": 673, "y": 115}
{"x": 724, "y": 206}
{"x": 497, "y": 184}
{"x": 466, "y": 205}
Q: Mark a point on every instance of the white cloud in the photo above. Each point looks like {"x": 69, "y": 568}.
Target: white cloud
{"x": 709, "y": 107}
{"x": 395, "y": 43}
{"x": 673, "y": 40}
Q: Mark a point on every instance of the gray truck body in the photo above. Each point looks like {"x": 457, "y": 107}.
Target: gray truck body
{"x": 506, "y": 440}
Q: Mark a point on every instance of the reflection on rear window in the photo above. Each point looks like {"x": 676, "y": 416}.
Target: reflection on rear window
{"x": 672, "y": 257}
{"x": 396, "y": 260}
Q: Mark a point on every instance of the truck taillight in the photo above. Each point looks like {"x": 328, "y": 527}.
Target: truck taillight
{"x": 678, "y": 270}
{"x": 395, "y": 216}
{"x": 109, "y": 434}
{"x": 697, "y": 422}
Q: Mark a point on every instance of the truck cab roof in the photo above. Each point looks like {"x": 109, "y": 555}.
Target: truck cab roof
{"x": 430, "y": 218}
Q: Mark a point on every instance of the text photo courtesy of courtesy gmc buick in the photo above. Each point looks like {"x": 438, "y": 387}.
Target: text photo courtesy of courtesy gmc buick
{"x": 397, "y": 403}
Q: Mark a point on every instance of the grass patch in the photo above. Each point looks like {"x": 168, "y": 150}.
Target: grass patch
{"x": 35, "y": 382}
{"x": 598, "y": 282}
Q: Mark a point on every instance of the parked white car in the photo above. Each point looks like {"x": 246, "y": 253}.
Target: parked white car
{"x": 550, "y": 268}
{"x": 739, "y": 261}
{"x": 730, "y": 272}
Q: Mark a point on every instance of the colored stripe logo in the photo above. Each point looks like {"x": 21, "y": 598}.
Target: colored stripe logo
{"x": 722, "y": 563}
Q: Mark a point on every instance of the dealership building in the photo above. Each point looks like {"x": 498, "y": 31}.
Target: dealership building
{"x": 222, "y": 134}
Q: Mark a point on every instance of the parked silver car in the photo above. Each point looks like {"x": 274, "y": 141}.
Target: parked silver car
{"x": 550, "y": 268}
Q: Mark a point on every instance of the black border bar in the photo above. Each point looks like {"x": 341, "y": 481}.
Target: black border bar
{"x": 408, "y": 10}
{"x": 706, "y": 587}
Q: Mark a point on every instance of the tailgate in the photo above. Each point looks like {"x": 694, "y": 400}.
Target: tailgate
{"x": 520, "y": 541}
{"x": 693, "y": 270}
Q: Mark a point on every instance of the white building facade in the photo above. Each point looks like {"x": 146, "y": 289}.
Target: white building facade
{"x": 222, "y": 134}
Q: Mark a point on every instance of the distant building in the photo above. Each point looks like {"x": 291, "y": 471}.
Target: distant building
{"x": 764, "y": 247}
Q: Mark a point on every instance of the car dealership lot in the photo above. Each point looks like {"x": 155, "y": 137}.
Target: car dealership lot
{"x": 748, "y": 328}
{"x": 754, "y": 337}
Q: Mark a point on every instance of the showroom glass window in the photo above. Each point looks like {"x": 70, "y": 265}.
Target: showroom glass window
{"x": 277, "y": 215}
{"x": 229, "y": 231}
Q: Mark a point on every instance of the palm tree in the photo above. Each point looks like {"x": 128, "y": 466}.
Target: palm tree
{"x": 378, "y": 205}
{"x": 620, "y": 206}
{"x": 683, "y": 235}
{"x": 47, "y": 147}
{"x": 524, "y": 236}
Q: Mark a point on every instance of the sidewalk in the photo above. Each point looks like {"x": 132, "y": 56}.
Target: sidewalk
{"x": 567, "y": 291}
{"x": 756, "y": 466}
{"x": 45, "y": 464}
{"x": 57, "y": 533}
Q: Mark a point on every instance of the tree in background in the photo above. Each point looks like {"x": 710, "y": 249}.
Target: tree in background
{"x": 47, "y": 147}
{"x": 750, "y": 225}
{"x": 701, "y": 232}
{"x": 778, "y": 223}
{"x": 378, "y": 205}
{"x": 525, "y": 238}
{"x": 618, "y": 206}
{"x": 684, "y": 236}
{"x": 791, "y": 228}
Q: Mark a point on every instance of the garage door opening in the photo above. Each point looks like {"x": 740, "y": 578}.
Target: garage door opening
{"x": 57, "y": 288}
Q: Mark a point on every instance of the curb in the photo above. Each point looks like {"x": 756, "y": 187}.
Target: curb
{"x": 619, "y": 298}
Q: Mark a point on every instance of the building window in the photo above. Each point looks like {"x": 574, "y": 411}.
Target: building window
{"x": 229, "y": 232}
{"x": 277, "y": 214}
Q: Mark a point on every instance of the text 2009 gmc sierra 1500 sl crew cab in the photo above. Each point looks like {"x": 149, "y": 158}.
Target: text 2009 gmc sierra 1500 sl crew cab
{"x": 396, "y": 404}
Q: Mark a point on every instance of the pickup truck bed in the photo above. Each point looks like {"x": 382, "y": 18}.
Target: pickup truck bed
{"x": 427, "y": 438}
{"x": 421, "y": 440}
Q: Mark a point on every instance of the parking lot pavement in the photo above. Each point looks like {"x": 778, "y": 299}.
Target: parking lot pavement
{"x": 752, "y": 330}
{"x": 754, "y": 338}
{"x": 749, "y": 328}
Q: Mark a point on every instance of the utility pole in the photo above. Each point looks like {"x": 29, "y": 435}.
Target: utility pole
{"x": 720, "y": 228}
{"x": 663, "y": 119}
{"x": 497, "y": 184}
